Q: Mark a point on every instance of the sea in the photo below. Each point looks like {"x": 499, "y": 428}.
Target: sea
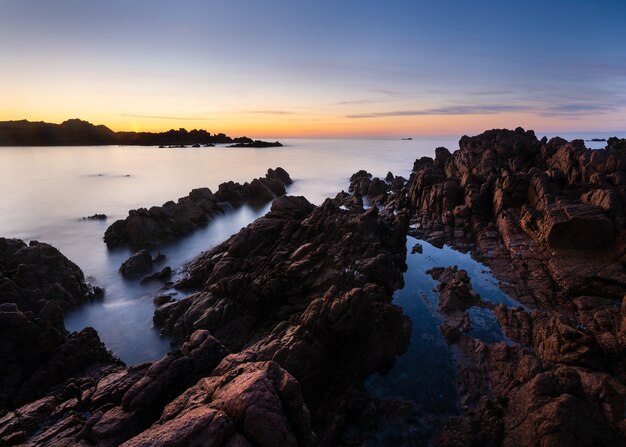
{"x": 47, "y": 191}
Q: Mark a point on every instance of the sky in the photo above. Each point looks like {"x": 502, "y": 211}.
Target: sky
{"x": 321, "y": 68}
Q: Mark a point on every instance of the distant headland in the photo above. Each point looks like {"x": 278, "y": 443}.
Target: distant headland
{"x": 76, "y": 132}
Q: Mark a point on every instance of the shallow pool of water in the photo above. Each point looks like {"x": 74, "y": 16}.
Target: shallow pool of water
{"x": 426, "y": 372}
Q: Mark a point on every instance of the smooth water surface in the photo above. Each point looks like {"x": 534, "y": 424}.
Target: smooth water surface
{"x": 46, "y": 191}
{"x": 426, "y": 372}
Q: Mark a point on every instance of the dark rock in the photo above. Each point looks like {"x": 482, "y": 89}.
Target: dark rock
{"x": 164, "y": 275}
{"x": 36, "y": 352}
{"x": 173, "y": 220}
{"x": 163, "y": 299}
{"x": 137, "y": 264}
{"x": 547, "y": 217}
{"x": 327, "y": 278}
{"x": 258, "y": 144}
{"x": 417, "y": 248}
{"x": 96, "y": 217}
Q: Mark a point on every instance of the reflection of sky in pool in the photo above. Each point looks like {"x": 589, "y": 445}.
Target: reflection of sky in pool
{"x": 426, "y": 373}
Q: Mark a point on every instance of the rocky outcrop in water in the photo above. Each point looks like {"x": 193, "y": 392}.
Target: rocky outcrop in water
{"x": 257, "y": 144}
{"x": 37, "y": 283}
{"x": 309, "y": 288}
{"x": 298, "y": 308}
{"x": 149, "y": 227}
{"x": 548, "y": 218}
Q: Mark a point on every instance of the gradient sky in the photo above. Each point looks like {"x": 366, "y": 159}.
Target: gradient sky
{"x": 316, "y": 68}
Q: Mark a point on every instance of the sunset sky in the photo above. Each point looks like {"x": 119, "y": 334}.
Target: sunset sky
{"x": 316, "y": 68}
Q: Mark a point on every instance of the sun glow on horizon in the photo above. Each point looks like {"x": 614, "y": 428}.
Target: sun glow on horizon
{"x": 374, "y": 71}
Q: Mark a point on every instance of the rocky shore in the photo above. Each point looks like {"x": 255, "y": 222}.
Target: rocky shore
{"x": 288, "y": 317}
{"x": 548, "y": 218}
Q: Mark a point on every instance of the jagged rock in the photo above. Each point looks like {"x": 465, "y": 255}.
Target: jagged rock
{"x": 258, "y": 403}
{"x": 164, "y": 275}
{"x": 547, "y": 217}
{"x": 36, "y": 352}
{"x": 146, "y": 227}
{"x": 327, "y": 278}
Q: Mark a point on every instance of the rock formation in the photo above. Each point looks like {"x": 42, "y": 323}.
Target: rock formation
{"x": 37, "y": 283}
{"x": 548, "y": 218}
{"x": 148, "y": 227}
{"x": 290, "y": 315}
{"x": 287, "y": 317}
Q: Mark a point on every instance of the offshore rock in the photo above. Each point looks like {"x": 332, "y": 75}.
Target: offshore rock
{"x": 147, "y": 227}
{"x": 137, "y": 264}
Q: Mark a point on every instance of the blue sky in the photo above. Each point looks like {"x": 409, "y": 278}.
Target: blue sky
{"x": 324, "y": 67}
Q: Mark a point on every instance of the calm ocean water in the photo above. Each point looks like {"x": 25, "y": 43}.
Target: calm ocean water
{"x": 47, "y": 190}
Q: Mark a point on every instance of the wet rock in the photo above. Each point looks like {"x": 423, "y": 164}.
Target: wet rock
{"x": 137, "y": 264}
{"x": 455, "y": 291}
{"x": 163, "y": 299}
{"x": 547, "y": 217}
{"x": 36, "y": 351}
{"x": 164, "y": 275}
{"x": 327, "y": 277}
{"x": 147, "y": 227}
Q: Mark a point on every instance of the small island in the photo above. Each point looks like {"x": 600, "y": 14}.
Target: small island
{"x": 76, "y": 132}
{"x": 257, "y": 143}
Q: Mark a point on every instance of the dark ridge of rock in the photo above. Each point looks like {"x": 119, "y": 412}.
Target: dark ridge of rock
{"x": 76, "y": 132}
{"x": 306, "y": 293}
{"x": 552, "y": 394}
{"x": 309, "y": 288}
{"x": 388, "y": 194}
{"x": 165, "y": 274}
{"x": 147, "y": 227}
{"x": 37, "y": 283}
{"x": 96, "y": 217}
{"x": 548, "y": 219}
{"x": 258, "y": 144}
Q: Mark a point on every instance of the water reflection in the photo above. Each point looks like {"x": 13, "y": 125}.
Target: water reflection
{"x": 426, "y": 373}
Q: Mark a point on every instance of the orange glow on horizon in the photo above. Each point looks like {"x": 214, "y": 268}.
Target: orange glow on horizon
{"x": 318, "y": 126}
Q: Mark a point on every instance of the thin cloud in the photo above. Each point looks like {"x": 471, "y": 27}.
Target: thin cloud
{"x": 575, "y": 110}
{"x": 353, "y": 102}
{"x": 450, "y": 110}
{"x": 159, "y": 117}
{"x": 271, "y": 112}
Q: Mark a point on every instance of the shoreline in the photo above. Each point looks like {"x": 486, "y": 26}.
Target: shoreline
{"x": 485, "y": 204}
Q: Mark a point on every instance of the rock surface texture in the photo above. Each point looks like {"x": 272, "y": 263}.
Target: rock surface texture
{"x": 290, "y": 315}
{"x": 285, "y": 320}
{"x": 149, "y": 227}
{"x": 548, "y": 218}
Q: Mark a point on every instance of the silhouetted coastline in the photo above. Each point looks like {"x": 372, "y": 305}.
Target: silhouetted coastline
{"x": 76, "y": 132}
